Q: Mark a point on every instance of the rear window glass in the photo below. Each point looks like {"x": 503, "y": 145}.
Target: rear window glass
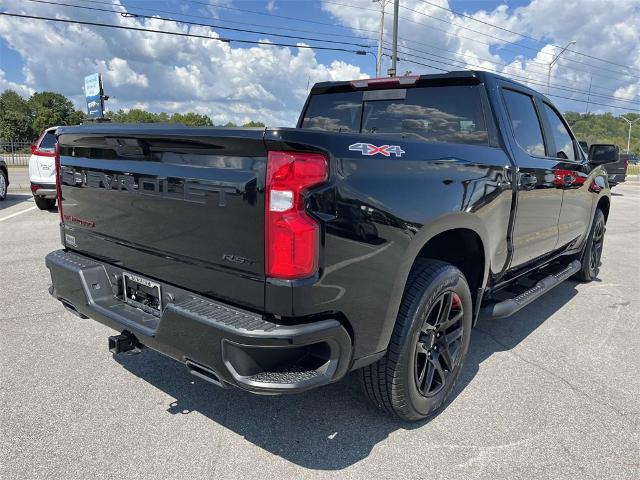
{"x": 48, "y": 142}
{"x": 451, "y": 114}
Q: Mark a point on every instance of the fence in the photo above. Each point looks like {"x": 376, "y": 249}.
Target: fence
{"x": 15, "y": 152}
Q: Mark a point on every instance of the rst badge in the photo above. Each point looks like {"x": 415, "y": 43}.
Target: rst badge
{"x": 370, "y": 149}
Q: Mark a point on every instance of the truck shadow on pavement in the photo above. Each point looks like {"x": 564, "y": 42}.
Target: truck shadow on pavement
{"x": 333, "y": 427}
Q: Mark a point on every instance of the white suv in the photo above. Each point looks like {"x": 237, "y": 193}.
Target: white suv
{"x": 42, "y": 170}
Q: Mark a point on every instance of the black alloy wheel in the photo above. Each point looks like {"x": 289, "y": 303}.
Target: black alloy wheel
{"x": 591, "y": 255}
{"x": 417, "y": 375}
{"x": 439, "y": 345}
{"x": 597, "y": 242}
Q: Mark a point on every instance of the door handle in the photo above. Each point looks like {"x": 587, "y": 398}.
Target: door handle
{"x": 528, "y": 180}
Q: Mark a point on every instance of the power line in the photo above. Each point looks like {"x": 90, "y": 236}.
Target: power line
{"x": 525, "y": 80}
{"x": 507, "y": 65}
{"x": 523, "y": 35}
{"x": 502, "y": 40}
{"x": 555, "y": 85}
{"x": 180, "y": 34}
{"x": 186, "y": 22}
{"x": 254, "y": 12}
{"x": 202, "y": 17}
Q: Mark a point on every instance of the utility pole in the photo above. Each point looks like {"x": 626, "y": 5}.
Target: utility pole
{"x": 553, "y": 62}
{"x": 394, "y": 51}
{"x": 630, "y": 124}
{"x": 383, "y": 5}
{"x": 589, "y": 94}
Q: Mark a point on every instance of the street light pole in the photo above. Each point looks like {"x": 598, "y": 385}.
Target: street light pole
{"x": 630, "y": 124}
{"x": 394, "y": 51}
{"x": 383, "y": 4}
{"x": 553, "y": 62}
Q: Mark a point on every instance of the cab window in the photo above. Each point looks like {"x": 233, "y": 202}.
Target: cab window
{"x": 563, "y": 142}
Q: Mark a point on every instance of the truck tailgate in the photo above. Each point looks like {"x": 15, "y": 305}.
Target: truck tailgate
{"x": 182, "y": 205}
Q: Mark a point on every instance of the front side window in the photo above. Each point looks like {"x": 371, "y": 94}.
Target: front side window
{"x": 524, "y": 122}
{"x": 561, "y": 136}
{"x": 452, "y": 114}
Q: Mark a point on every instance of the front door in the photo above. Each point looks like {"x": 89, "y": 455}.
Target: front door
{"x": 570, "y": 175}
{"x": 535, "y": 231}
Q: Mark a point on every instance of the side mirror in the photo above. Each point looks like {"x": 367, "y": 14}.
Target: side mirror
{"x": 601, "y": 154}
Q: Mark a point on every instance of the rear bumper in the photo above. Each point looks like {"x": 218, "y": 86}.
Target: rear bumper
{"x": 44, "y": 190}
{"x": 227, "y": 344}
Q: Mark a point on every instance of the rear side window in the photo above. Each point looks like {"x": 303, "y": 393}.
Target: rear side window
{"x": 452, "y": 114}
{"x": 563, "y": 140}
{"x": 48, "y": 142}
{"x": 335, "y": 112}
{"x": 524, "y": 122}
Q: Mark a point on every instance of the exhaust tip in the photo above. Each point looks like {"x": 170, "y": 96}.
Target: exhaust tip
{"x": 204, "y": 373}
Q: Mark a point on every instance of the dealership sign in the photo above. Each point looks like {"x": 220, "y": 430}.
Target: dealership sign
{"x": 93, "y": 94}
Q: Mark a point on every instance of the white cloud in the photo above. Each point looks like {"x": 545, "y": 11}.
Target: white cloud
{"x": 16, "y": 87}
{"x": 271, "y": 6}
{"x": 164, "y": 72}
{"x": 606, "y": 29}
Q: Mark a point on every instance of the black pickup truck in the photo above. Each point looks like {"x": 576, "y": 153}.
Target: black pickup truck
{"x": 371, "y": 237}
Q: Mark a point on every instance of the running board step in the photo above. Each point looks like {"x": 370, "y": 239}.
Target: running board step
{"x": 510, "y": 306}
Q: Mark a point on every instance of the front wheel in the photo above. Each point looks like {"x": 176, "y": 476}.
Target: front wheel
{"x": 428, "y": 346}
{"x": 592, "y": 249}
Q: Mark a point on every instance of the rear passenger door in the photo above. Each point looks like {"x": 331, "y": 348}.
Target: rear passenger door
{"x": 535, "y": 231}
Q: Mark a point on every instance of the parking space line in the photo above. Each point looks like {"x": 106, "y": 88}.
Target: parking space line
{"x": 17, "y": 213}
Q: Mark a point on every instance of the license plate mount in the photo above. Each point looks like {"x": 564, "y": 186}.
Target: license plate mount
{"x": 142, "y": 293}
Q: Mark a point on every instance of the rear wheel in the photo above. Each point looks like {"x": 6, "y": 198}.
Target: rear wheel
{"x": 3, "y": 185}
{"x": 428, "y": 346}
{"x": 44, "y": 203}
{"x": 592, "y": 249}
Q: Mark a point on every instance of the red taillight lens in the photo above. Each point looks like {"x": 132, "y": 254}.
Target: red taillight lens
{"x": 292, "y": 236}
{"x": 58, "y": 184}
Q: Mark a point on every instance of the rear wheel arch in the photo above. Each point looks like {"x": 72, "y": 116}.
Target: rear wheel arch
{"x": 461, "y": 247}
{"x": 603, "y": 204}
{"x": 465, "y": 228}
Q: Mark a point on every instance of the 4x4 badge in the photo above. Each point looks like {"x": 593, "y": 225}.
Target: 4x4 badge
{"x": 370, "y": 149}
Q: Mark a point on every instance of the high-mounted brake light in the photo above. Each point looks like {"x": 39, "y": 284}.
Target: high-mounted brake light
{"x": 56, "y": 153}
{"x": 380, "y": 82}
{"x": 292, "y": 236}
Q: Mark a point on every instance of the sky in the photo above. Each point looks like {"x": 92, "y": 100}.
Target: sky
{"x": 238, "y": 82}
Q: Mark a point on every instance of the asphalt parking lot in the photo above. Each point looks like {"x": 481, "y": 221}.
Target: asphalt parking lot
{"x": 553, "y": 392}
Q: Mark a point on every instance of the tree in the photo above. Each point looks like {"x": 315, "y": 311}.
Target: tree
{"x": 253, "y": 124}
{"x": 15, "y": 117}
{"x": 192, "y": 119}
{"x": 50, "y": 109}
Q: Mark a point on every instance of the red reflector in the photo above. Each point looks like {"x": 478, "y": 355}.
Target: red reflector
{"x": 58, "y": 185}
{"x": 291, "y": 235}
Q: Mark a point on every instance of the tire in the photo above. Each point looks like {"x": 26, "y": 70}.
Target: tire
{"x": 44, "y": 203}
{"x": 425, "y": 356}
{"x": 592, "y": 249}
{"x": 4, "y": 185}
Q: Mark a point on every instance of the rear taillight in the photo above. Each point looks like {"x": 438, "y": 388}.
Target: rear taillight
{"x": 292, "y": 236}
{"x": 35, "y": 150}
{"x": 58, "y": 184}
